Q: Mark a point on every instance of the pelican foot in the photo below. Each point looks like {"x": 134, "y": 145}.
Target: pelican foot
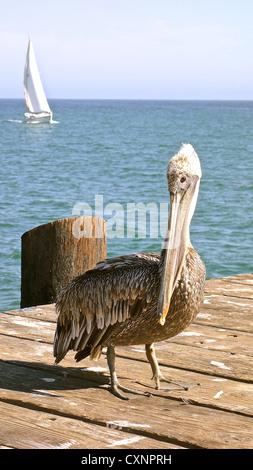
{"x": 116, "y": 387}
{"x": 160, "y": 378}
{"x": 157, "y": 375}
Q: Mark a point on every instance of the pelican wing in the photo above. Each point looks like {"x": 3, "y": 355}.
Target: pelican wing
{"x": 98, "y": 303}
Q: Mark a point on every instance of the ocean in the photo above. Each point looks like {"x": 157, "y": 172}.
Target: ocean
{"x": 116, "y": 153}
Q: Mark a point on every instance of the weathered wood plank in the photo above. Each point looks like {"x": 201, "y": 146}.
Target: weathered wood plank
{"x": 29, "y": 328}
{"x": 217, "y": 310}
{"x": 131, "y": 366}
{"x": 246, "y": 277}
{"x": 218, "y": 363}
{"x": 173, "y": 354}
{"x": 235, "y": 396}
{"x": 224, "y": 304}
{"x": 215, "y": 352}
{"x": 231, "y": 286}
{"x": 230, "y": 313}
{"x": 195, "y": 335}
{"x": 168, "y": 420}
{"x": 213, "y": 338}
{"x": 24, "y": 428}
{"x": 229, "y": 320}
{"x": 40, "y": 312}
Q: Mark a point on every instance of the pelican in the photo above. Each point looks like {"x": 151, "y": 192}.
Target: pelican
{"x": 139, "y": 298}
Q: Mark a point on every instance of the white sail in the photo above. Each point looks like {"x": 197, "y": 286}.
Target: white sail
{"x": 35, "y": 97}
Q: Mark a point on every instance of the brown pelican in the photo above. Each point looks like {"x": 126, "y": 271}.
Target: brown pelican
{"x": 138, "y": 298}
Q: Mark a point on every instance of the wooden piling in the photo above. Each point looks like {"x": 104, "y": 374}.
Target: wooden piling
{"x": 56, "y": 252}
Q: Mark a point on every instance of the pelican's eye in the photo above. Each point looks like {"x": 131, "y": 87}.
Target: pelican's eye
{"x": 182, "y": 179}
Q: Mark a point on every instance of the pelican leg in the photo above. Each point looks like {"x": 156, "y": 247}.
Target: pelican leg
{"x": 116, "y": 387}
{"x": 157, "y": 375}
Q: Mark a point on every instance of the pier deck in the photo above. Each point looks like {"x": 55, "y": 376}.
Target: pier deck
{"x": 69, "y": 406}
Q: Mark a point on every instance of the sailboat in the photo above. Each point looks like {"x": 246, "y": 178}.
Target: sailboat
{"x": 35, "y": 97}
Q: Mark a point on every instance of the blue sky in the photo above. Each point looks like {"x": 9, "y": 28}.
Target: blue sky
{"x": 130, "y": 49}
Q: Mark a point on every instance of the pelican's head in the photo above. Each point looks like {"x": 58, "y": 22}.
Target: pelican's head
{"x": 184, "y": 164}
{"x": 183, "y": 175}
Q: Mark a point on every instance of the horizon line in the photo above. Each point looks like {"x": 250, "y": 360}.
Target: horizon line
{"x": 140, "y": 99}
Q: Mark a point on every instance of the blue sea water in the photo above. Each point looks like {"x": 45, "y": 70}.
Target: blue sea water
{"x": 119, "y": 150}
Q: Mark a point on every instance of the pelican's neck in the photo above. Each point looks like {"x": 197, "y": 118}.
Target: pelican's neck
{"x": 163, "y": 255}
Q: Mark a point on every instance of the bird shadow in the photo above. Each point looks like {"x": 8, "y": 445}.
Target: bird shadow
{"x": 41, "y": 378}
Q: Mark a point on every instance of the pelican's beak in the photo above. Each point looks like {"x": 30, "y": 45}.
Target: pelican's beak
{"x": 176, "y": 242}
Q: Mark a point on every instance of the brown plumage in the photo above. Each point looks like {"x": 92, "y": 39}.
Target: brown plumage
{"x": 127, "y": 300}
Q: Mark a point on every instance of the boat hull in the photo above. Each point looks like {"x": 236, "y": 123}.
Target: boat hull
{"x": 36, "y": 118}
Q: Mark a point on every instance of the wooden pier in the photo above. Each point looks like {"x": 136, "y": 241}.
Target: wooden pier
{"x": 70, "y": 406}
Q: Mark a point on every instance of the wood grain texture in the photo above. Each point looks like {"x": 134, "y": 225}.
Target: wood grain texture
{"x": 56, "y": 252}
{"x": 67, "y": 406}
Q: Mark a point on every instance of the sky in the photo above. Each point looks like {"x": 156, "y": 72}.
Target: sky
{"x": 130, "y": 49}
